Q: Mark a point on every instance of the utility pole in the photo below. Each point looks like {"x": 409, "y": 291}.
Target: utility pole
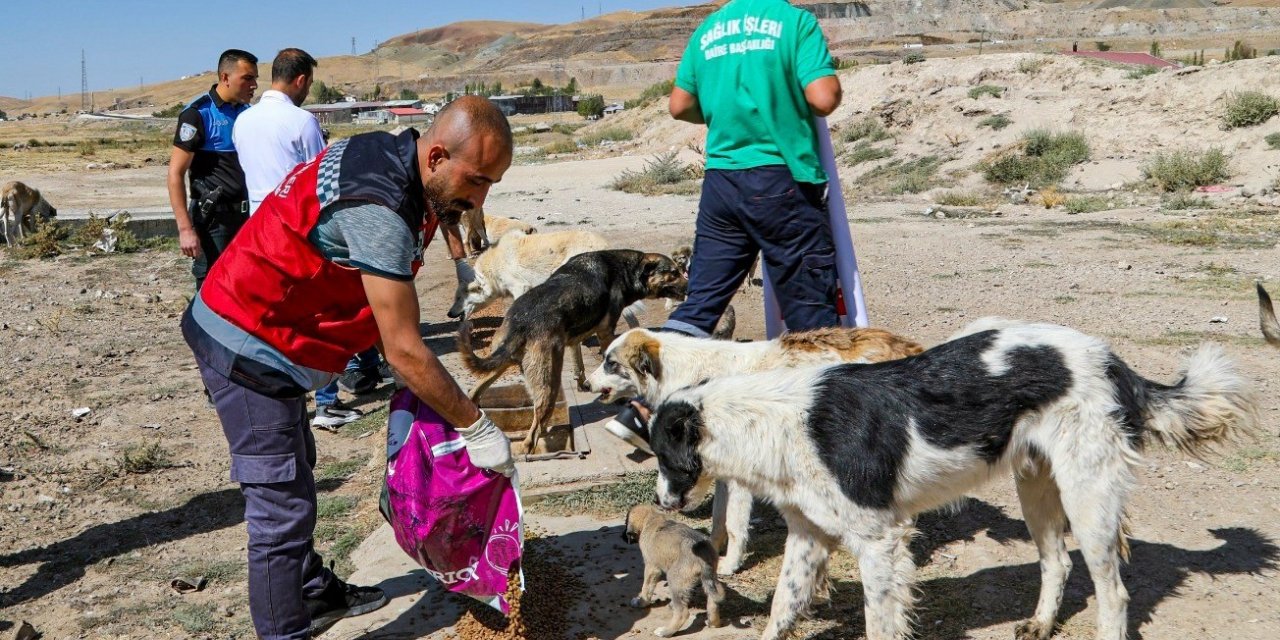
{"x": 353, "y": 45}
{"x": 84, "y": 83}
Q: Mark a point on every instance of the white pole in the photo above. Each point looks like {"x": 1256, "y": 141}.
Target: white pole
{"x": 849, "y": 280}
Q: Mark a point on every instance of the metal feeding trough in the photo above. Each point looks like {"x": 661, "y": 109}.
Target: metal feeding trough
{"x": 511, "y": 408}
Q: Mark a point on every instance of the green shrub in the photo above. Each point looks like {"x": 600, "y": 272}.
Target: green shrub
{"x": 1045, "y": 159}
{"x": 1273, "y": 140}
{"x": 1142, "y": 72}
{"x": 87, "y": 148}
{"x": 45, "y": 242}
{"x": 868, "y": 129}
{"x": 613, "y": 134}
{"x": 560, "y": 146}
{"x": 172, "y": 111}
{"x": 915, "y": 57}
{"x": 1086, "y": 204}
{"x": 1241, "y": 51}
{"x": 1102, "y": 46}
{"x": 960, "y": 199}
{"x": 591, "y": 106}
{"x": 899, "y": 177}
{"x": 1032, "y": 66}
{"x": 996, "y": 122}
{"x": 663, "y": 173}
{"x": 651, "y": 94}
{"x": 1185, "y": 169}
{"x": 1249, "y": 108}
{"x": 1181, "y": 201}
{"x": 986, "y": 90}
{"x": 864, "y": 152}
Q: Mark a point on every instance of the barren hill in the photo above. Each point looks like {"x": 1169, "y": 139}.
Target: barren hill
{"x": 620, "y": 53}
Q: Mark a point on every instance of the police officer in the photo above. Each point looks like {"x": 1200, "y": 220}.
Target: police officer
{"x": 211, "y": 213}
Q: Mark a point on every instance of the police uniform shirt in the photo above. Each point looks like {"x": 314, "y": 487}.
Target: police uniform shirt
{"x": 204, "y": 128}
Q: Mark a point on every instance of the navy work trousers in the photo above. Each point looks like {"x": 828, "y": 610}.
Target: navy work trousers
{"x": 273, "y": 453}
{"x": 760, "y": 211}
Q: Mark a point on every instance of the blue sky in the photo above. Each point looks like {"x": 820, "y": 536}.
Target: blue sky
{"x": 128, "y": 40}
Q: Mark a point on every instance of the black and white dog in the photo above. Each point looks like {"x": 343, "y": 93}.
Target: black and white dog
{"x": 850, "y": 453}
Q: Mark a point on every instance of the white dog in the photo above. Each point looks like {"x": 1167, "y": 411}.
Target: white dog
{"x": 652, "y": 365}
{"x": 23, "y": 208}
{"x": 851, "y": 453}
{"x": 480, "y": 226}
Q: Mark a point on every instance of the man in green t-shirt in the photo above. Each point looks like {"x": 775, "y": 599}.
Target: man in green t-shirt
{"x": 756, "y": 72}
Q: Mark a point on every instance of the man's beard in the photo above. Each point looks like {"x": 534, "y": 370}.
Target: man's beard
{"x": 449, "y": 212}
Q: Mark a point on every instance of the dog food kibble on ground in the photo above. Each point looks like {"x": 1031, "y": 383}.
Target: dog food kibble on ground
{"x": 540, "y": 612}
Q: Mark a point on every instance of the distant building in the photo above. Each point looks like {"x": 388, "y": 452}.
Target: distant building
{"x": 517, "y": 104}
{"x": 348, "y": 111}
{"x": 614, "y": 108}
{"x": 408, "y": 115}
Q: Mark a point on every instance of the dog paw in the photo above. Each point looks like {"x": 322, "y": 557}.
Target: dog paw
{"x": 1031, "y": 630}
{"x": 715, "y": 622}
{"x": 663, "y": 632}
{"x": 727, "y": 567}
{"x": 639, "y": 603}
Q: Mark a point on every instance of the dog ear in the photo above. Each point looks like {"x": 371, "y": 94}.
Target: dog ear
{"x": 647, "y": 361}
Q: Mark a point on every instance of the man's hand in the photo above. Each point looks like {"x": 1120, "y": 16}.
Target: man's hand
{"x": 189, "y": 242}
{"x": 395, "y": 309}
{"x": 823, "y": 95}
{"x": 465, "y": 273}
{"x": 684, "y": 106}
{"x": 488, "y": 446}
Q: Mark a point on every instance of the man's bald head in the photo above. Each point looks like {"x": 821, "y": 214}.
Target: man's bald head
{"x": 465, "y": 119}
{"x": 465, "y": 152}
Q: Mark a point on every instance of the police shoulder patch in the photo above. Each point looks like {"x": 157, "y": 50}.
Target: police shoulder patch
{"x": 187, "y": 132}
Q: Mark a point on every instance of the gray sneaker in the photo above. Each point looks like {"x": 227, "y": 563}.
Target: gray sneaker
{"x": 331, "y": 416}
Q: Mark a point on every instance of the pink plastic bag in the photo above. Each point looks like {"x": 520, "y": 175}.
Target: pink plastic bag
{"x": 463, "y": 524}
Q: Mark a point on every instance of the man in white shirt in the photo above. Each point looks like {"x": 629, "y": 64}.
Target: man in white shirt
{"x": 276, "y": 135}
{"x": 272, "y": 137}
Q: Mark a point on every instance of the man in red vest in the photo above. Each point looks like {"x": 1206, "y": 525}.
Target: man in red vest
{"x": 324, "y": 269}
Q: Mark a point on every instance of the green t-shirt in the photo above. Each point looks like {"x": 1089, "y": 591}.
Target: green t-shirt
{"x": 748, "y": 64}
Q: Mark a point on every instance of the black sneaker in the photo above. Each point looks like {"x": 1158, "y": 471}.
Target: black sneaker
{"x": 341, "y": 600}
{"x": 331, "y": 416}
{"x": 385, "y": 373}
{"x": 629, "y": 426}
{"x": 358, "y": 382}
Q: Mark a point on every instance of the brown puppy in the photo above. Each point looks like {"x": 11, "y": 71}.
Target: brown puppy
{"x": 684, "y": 556}
{"x": 584, "y": 297}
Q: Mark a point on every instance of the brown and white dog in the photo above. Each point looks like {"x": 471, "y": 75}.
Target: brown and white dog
{"x": 1267, "y": 318}
{"x": 584, "y": 297}
{"x": 480, "y": 226}
{"x": 685, "y": 556}
{"x": 652, "y": 365}
{"x": 23, "y": 208}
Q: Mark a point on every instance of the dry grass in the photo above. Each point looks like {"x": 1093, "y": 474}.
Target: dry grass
{"x": 1050, "y": 197}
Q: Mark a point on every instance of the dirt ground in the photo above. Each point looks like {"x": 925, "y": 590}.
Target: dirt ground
{"x": 99, "y": 512}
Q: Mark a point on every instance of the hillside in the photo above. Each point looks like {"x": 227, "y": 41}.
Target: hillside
{"x": 619, "y": 54}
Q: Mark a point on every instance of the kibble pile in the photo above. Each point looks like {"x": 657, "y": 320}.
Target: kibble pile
{"x": 540, "y": 612}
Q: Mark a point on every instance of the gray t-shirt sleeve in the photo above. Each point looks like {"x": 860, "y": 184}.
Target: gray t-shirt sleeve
{"x": 366, "y": 236}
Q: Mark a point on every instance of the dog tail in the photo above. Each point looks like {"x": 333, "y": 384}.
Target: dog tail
{"x": 1267, "y": 317}
{"x": 1212, "y": 403}
{"x": 499, "y": 358}
{"x": 710, "y": 583}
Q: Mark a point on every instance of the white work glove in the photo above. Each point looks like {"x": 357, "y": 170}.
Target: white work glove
{"x": 466, "y": 274}
{"x": 488, "y": 446}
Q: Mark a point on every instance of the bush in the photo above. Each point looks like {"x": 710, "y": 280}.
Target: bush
{"x": 613, "y": 134}
{"x": 1045, "y": 160}
{"x": 591, "y": 106}
{"x": 899, "y": 177}
{"x": 996, "y": 122}
{"x": 664, "y": 173}
{"x": 1241, "y": 51}
{"x": 915, "y": 57}
{"x": 986, "y": 90}
{"x": 864, "y": 152}
{"x": 1142, "y": 72}
{"x": 91, "y": 232}
{"x": 1086, "y": 204}
{"x": 868, "y": 129}
{"x": 560, "y": 146}
{"x": 45, "y": 242}
{"x": 1273, "y": 140}
{"x": 1181, "y": 201}
{"x": 1102, "y": 46}
{"x": 1185, "y": 169}
{"x": 1051, "y": 197}
{"x": 86, "y": 148}
{"x": 172, "y": 111}
{"x": 651, "y": 94}
{"x": 959, "y": 199}
{"x": 1248, "y": 108}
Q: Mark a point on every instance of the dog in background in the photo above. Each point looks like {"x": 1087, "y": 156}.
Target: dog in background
{"x": 584, "y": 297}
{"x": 22, "y": 209}
{"x": 851, "y": 453}
{"x": 511, "y": 268}
{"x": 728, "y": 322}
{"x": 684, "y": 556}
{"x": 480, "y": 226}
{"x": 1267, "y": 318}
{"x": 653, "y": 365}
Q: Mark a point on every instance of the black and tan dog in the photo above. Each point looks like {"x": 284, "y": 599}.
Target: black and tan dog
{"x": 684, "y": 555}
{"x": 1267, "y": 318}
{"x": 584, "y": 297}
